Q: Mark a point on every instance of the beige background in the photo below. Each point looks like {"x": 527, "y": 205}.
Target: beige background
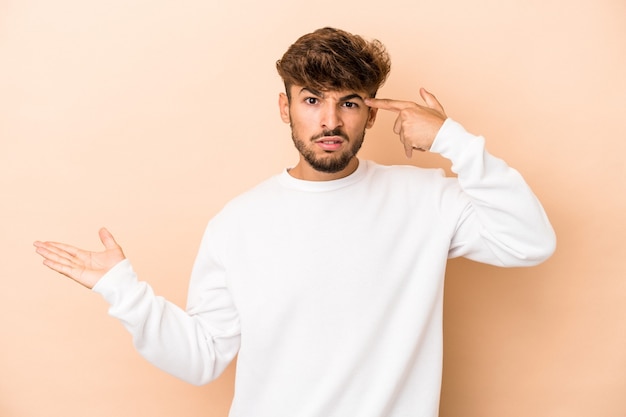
{"x": 147, "y": 116}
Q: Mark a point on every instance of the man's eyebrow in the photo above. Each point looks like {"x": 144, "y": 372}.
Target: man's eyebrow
{"x": 351, "y": 96}
{"x": 312, "y": 91}
{"x": 321, "y": 94}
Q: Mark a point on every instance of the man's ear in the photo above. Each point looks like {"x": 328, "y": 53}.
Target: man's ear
{"x": 371, "y": 117}
{"x": 283, "y": 106}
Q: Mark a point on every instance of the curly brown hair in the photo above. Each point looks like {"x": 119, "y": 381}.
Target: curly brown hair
{"x": 332, "y": 59}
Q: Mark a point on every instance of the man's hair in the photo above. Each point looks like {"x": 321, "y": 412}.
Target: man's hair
{"x": 332, "y": 59}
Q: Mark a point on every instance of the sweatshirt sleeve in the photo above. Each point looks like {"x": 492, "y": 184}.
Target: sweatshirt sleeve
{"x": 502, "y": 223}
{"x": 194, "y": 345}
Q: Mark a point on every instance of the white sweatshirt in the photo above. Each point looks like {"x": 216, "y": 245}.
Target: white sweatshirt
{"x": 331, "y": 292}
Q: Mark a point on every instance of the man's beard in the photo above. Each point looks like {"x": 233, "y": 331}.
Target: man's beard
{"x": 332, "y": 163}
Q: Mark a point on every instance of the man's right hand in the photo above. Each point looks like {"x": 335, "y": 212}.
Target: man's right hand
{"x": 82, "y": 266}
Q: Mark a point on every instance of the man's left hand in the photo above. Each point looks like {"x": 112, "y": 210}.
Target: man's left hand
{"x": 416, "y": 124}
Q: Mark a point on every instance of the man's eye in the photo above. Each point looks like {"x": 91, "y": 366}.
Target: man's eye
{"x": 350, "y": 105}
{"x": 311, "y": 100}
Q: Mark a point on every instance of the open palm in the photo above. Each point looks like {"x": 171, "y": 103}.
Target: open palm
{"x": 82, "y": 266}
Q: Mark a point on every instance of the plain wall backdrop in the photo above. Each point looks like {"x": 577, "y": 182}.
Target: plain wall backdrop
{"x": 147, "y": 116}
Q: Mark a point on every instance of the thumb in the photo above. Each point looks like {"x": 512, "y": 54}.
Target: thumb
{"x": 431, "y": 101}
{"x": 107, "y": 239}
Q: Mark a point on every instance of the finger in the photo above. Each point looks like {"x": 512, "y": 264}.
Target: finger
{"x": 388, "y": 104}
{"x": 431, "y": 101}
{"x": 408, "y": 147}
{"x": 397, "y": 126}
{"x": 59, "y": 260}
{"x": 69, "y": 271}
{"x": 60, "y": 247}
{"x": 56, "y": 262}
{"x": 107, "y": 239}
{"x": 57, "y": 248}
{"x": 49, "y": 250}
{"x": 408, "y": 151}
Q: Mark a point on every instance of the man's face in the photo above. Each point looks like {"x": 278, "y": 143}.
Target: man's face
{"x": 327, "y": 128}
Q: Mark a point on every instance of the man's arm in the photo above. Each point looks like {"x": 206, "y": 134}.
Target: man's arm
{"x": 503, "y": 223}
{"x": 194, "y": 345}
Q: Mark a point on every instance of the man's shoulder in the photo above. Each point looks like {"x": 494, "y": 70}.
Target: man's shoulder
{"x": 411, "y": 172}
{"x": 256, "y": 194}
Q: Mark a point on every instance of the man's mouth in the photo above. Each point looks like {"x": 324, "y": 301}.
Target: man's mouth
{"x": 329, "y": 144}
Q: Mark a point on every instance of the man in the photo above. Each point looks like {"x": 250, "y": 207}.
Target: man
{"x": 327, "y": 279}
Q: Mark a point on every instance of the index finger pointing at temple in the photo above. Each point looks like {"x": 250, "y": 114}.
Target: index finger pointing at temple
{"x": 388, "y": 104}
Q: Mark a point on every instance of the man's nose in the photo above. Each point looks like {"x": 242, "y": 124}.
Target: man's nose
{"x": 331, "y": 117}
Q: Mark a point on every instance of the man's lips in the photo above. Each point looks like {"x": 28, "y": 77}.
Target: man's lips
{"x": 330, "y": 143}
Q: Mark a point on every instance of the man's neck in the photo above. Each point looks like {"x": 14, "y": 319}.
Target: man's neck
{"x": 304, "y": 171}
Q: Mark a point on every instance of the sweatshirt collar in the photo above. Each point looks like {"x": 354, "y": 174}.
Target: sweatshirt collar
{"x": 322, "y": 186}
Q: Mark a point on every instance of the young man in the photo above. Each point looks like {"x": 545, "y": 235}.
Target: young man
{"x": 327, "y": 279}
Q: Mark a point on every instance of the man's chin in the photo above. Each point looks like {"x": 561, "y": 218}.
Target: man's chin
{"x": 331, "y": 165}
